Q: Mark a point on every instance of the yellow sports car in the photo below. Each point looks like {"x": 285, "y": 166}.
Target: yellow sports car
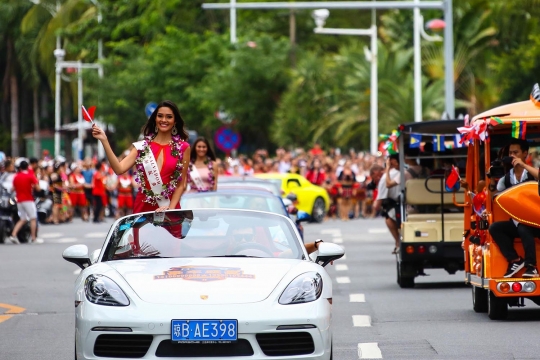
{"x": 312, "y": 199}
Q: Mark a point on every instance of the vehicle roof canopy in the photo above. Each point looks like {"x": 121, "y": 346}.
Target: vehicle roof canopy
{"x": 433, "y": 127}
{"x": 522, "y": 111}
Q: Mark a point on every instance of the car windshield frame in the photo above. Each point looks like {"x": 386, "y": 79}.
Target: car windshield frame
{"x": 252, "y": 182}
{"x": 226, "y": 200}
{"x": 203, "y": 233}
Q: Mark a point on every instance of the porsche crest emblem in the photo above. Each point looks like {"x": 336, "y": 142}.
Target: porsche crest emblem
{"x": 204, "y": 297}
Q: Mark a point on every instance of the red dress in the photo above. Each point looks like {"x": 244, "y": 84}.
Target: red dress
{"x": 167, "y": 169}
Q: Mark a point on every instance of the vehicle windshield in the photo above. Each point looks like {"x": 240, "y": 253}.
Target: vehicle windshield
{"x": 266, "y": 185}
{"x": 203, "y": 233}
{"x": 239, "y": 201}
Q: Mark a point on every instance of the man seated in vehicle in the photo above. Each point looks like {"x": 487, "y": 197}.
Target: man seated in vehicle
{"x": 255, "y": 241}
{"x": 504, "y": 232}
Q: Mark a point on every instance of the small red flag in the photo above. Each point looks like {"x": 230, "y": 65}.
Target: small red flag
{"x": 452, "y": 179}
{"x": 88, "y": 115}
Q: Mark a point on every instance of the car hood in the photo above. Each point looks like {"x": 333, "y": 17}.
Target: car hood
{"x": 203, "y": 280}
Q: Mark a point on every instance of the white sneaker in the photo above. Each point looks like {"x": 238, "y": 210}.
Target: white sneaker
{"x": 37, "y": 241}
{"x": 14, "y": 240}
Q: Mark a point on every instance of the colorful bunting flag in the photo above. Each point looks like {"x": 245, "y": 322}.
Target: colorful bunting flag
{"x": 438, "y": 143}
{"x": 519, "y": 129}
{"x": 416, "y": 139}
{"x": 494, "y": 121}
{"x": 457, "y": 141}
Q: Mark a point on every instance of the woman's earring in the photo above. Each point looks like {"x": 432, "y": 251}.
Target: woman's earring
{"x": 156, "y": 129}
{"x": 174, "y": 130}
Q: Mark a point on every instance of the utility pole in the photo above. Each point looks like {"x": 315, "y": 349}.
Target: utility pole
{"x": 292, "y": 36}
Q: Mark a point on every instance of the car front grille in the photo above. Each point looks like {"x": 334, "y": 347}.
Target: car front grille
{"x": 122, "y": 346}
{"x": 286, "y": 343}
{"x": 166, "y": 348}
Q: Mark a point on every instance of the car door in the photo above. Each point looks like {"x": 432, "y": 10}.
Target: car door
{"x": 296, "y": 186}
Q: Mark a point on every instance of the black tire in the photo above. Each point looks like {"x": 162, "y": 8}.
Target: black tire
{"x": 405, "y": 282}
{"x": 479, "y": 299}
{"x": 2, "y": 232}
{"x": 497, "y": 308}
{"x": 24, "y": 234}
{"x": 319, "y": 210}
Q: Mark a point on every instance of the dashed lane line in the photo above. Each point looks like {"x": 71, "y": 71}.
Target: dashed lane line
{"x": 337, "y": 240}
{"x": 77, "y": 272}
{"x": 11, "y": 310}
{"x": 378, "y": 231}
{"x": 333, "y": 231}
{"x": 62, "y": 241}
{"x": 96, "y": 235}
{"x": 369, "y": 351}
{"x": 344, "y": 256}
{"x": 361, "y": 320}
{"x": 342, "y": 267}
{"x": 343, "y": 280}
{"x": 50, "y": 235}
{"x": 357, "y": 298}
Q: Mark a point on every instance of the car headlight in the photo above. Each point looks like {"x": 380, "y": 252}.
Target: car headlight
{"x": 101, "y": 290}
{"x": 305, "y": 288}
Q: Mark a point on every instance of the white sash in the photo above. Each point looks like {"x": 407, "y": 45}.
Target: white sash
{"x": 151, "y": 170}
{"x": 196, "y": 177}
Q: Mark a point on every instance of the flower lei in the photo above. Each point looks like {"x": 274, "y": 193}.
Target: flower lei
{"x": 176, "y": 177}
{"x": 210, "y": 176}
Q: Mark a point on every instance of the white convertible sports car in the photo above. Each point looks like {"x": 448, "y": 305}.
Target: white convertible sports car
{"x": 209, "y": 284}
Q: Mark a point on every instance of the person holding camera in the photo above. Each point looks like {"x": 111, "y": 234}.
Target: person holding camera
{"x": 504, "y": 232}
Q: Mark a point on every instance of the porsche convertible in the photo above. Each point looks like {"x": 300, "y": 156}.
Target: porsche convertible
{"x": 208, "y": 283}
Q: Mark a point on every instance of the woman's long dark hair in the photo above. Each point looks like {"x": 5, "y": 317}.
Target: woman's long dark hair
{"x": 150, "y": 126}
{"x": 209, "y": 152}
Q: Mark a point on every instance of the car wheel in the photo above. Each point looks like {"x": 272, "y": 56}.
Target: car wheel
{"x": 2, "y": 232}
{"x": 318, "y": 211}
{"x": 497, "y": 308}
{"x": 404, "y": 281}
{"x": 479, "y": 299}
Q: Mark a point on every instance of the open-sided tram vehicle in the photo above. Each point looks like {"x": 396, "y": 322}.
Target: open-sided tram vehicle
{"x": 432, "y": 225}
{"x": 485, "y": 265}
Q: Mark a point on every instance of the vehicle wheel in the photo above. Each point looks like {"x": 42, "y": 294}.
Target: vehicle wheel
{"x": 404, "y": 281}
{"x": 24, "y": 234}
{"x": 318, "y": 211}
{"x": 497, "y": 308}
{"x": 479, "y": 299}
{"x": 2, "y": 232}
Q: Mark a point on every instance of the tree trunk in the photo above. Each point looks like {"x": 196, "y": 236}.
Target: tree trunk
{"x": 14, "y": 94}
{"x": 37, "y": 137}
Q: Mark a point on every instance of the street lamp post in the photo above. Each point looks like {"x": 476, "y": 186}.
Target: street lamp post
{"x": 320, "y": 16}
{"x": 59, "y": 55}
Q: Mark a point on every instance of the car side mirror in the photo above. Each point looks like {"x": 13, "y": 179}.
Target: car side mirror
{"x": 94, "y": 256}
{"x": 328, "y": 252}
{"x": 77, "y": 254}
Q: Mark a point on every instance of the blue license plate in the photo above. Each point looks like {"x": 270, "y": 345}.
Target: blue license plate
{"x": 201, "y": 331}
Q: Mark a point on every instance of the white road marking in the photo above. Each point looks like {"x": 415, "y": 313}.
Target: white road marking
{"x": 335, "y": 232}
{"x": 63, "y": 241}
{"x": 343, "y": 280}
{"x": 342, "y": 267}
{"x": 337, "y": 241}
{"x": 369, "y": 351}
{"x": 96, "y": 235}
{"x": 344, "y": 256}
{"x": 77, "y": 272}
{"x": 50, "y": 235}
{"x": 378, "y": 231}
{"x": 357, "y": 298}
{"x": 361, "y": 320}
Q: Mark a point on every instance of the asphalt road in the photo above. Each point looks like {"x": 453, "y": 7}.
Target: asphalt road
{"x": 373, "y": 317}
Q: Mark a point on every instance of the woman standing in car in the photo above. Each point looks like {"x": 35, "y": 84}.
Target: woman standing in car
{"x": 202, "y": 167}
{"x": 161, "y": 159}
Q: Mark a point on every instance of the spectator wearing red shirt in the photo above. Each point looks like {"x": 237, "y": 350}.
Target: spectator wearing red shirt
{"x": 316, "y": 174}
{"x": 98, "y": 192}
{"x": 23, "y": 184}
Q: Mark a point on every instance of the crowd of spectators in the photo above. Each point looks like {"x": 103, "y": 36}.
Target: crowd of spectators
{"x": 91, "y": 190}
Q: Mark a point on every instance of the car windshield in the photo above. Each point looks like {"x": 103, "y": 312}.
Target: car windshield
{"x": 239, "y": 201}
{"x": 203, "y": 233}
{"x": 266, "y": 185}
